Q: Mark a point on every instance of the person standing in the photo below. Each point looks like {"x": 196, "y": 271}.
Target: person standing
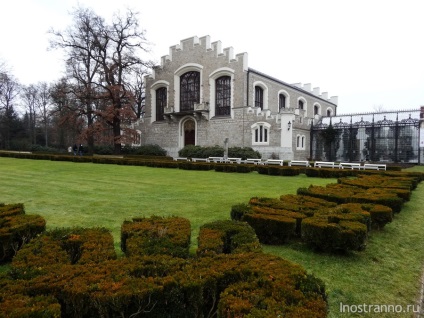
{"x": 75, "y": 149}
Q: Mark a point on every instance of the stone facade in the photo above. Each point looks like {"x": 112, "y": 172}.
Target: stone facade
{"x": 253, "y": 116}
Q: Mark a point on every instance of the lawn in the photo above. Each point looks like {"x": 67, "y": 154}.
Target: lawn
{"x": 88, "y": 195}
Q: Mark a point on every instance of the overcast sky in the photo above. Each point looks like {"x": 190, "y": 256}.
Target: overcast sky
{"x": 369, "y": 53}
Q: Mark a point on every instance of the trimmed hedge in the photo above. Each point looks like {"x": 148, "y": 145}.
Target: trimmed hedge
{"x": 228, "y": 237}
{"x": 156, "y": 235}
{"x": 50, "y": 273}
{"x": 17, "y": 229}
{"x": 279, "y": 170}
{"x": 334, "y": 235}
{"x": 346, "y": 194}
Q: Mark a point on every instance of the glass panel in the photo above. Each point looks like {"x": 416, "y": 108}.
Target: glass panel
{"x": 160, "y": 103}
{"x": 282, "y": 101}
{"x": 189, "y": 90}
{"x": 223, "y": 96}
{"x": 259, "y": 97}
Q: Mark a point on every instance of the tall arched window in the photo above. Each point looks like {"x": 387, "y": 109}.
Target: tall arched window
{"x": 259, "y": 97}
{"x": 223, "y": 96}
{"x": 316, "y": 110}
{"x": 301, "y": 104}
{"x": 189, "y": 90}
{"x": 281, "y": 101}
{"x": 160, "y": 103}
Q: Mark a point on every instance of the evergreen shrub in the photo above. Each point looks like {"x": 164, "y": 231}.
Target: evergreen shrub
{"x": 17, "y": 229}
{"x": 47, "y": 274}
{"x": 156, "y": 235}
{"x": 227, "y": 236}
{"x": 334, "y": 235}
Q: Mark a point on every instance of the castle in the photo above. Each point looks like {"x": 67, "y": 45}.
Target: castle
{"x": 202, "y": 94}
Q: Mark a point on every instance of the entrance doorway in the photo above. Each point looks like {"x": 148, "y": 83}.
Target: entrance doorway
{"x": 189, "y": 132}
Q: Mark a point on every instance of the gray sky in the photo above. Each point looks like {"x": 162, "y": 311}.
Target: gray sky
{"x": 369, "y": 53}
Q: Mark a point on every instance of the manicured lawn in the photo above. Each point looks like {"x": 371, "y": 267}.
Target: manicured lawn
{"x": 82, "y": 194}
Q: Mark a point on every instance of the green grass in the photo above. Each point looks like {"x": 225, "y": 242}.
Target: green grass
{"x": 83, "y": 194}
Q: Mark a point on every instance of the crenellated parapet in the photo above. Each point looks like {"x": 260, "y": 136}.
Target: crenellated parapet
{"x": 316, "y": 91}
{"x": 206, "y": 45}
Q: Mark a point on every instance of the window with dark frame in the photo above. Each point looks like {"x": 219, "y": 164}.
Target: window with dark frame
{"x": 316, "y": 110}
{"x": 261, "y": 134}
{"x": 189, "y": 90}
{"x": 282, "y": 101}
{"x": 223, "y": 96}
{"x": 259, "y": 97}
{"x": 160, "y": 103}
{"x": 300, "y": 104}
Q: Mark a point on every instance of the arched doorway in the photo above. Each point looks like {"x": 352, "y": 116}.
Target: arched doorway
{"x": 189, "y": 129}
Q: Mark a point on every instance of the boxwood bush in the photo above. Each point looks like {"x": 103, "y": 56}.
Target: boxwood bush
{"x": 17, "y": 229}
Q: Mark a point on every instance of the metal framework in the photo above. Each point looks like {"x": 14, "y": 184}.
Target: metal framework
{"x": 377, "y": 137}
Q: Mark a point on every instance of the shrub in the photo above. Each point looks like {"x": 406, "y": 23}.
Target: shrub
{"x": 334, "y": 235}
{"x": 192, "y": 151}
{"x": 271, "y": 228}
{"x": 17, "y": 229}
{"x": 145, "y": 150}
{"x": 227, "y": 237}
{"x": 243, "y": 153}
{"x": 239, "y": 210}
{"x": 156, "y": 235}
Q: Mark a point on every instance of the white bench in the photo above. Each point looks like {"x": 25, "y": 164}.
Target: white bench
{"x": 350, "y": 165}
{"x": 323, "y": 164}
{"x": 299, "y": 163}
{"x": 181, "y": 159}
{"x": 373, "y": 166}
{"x": 216, "y": 159}
{"x": 254, "y": 161}
{"x": 200, "y": 159}
{"x": 274, "y": 162}
{"x": 233, "y": 160}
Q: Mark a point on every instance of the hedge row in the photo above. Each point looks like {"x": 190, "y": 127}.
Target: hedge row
{"x": 17, "y": 229}
{"x": 348, "y": 194}
{"x": 331, "y": 218}
{"x": 227, "y": 237}
{"x": 156, "y": 235}
{"x": 72, "y": 273}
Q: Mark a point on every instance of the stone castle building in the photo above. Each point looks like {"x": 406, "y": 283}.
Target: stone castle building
{"x": 202, "y": 94}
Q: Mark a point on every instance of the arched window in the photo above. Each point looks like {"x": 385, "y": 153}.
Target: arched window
{"x": 223, "y": 96}
{"x": 329, "y": 112}
{"x": 281, "y": 101}
{"x": 300, "y": 104}
{"x": 300, "y": 142}
{"x": 316, "y": 110}
{"x": 189, "y": 90}
{"x": 161, "y": 101}
{"x": 259, "y": 97}
{"x": 260, "y": 133}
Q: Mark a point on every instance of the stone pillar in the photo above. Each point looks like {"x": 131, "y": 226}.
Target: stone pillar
{"x": 287, "y": 123}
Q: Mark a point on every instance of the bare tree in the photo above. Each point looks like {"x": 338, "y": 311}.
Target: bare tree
{"x": 118, "y": 49}
{"x": 43, "y": 104}
{"x": 9, "y": 91}
{"x": 29, "y": 95}
{"x": 378, "y": 108}
{"x": 78, "y": 41}
{"x": 102, "y": 60}
{"x": 137, "y": 87}
{"x": 66, "y": 122}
